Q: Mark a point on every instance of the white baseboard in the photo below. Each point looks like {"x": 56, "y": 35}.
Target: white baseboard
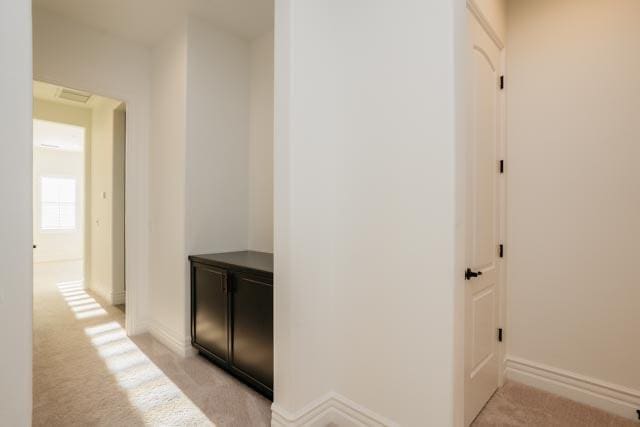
{"x": 182, "y": 347}
{"x": 118, "y": 297}
{"x": 330, "y": 410}
{"x": 111, "y": 298}
{"x": 612, "y": 398}
{"x": 105, "y": 296}
{"x": 136, "y": 327}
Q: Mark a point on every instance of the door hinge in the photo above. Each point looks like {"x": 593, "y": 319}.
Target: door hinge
{"x": 501, "y": 250}
{"x": 501, "y": 165}
{"x": 501, "y": 82}
{"x": 500, "y": 334}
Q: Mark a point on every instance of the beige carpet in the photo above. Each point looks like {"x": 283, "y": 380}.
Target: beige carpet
{"x": 88, "y": 372}
{"x": 518, "y": 405}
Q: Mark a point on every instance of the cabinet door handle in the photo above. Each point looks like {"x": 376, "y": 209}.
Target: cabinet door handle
{"x": 223, "y": 285}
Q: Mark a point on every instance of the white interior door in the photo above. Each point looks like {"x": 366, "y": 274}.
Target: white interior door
{"x": 482, "y": 299}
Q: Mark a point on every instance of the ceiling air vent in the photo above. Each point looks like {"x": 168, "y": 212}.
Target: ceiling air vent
{"x": 74, "y": 95}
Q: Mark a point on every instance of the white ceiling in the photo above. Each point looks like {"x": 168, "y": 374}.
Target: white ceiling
{"x": 49, "y": 92}
{"x": 57, "y": 136}
{"x": 147, "y": 21}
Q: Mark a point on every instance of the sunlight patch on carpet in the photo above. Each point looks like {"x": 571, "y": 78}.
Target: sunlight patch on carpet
{"x": 85, "y": 307}
{"x": 91, "y": 313}
{"x": 81, "y": 301}
{"x": 155, "y": 397}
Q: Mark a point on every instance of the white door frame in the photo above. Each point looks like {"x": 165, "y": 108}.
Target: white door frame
{"x": 136, "y": 210}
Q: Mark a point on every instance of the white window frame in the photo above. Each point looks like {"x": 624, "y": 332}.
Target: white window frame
{"x": 58, "y": 230}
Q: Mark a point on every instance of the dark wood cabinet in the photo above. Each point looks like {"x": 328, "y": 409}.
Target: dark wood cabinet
{"x": 210, "y": 309}
{"x": 232, "y": 314}
{"x": 252, "y": 307}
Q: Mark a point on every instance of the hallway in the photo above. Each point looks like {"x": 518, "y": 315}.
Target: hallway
{"x": 86, "y": 371}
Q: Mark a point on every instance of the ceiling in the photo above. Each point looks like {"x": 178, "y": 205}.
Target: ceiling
{"x": 58, "y": 136}
{"x": 49, "y": 92}
{"x": 147, "y": 21}
{"x": 52, "y": 93}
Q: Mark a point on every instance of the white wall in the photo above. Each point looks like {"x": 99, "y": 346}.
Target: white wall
{"x": 261, "y": 145}
{"x": 58, "y": 245}
{"x": 168, "y": 255}
{"x": 365, "y": 218}
{"x": 573, "y": 201}
{"x": 73, "y": 55}
{"x": 217, "y": 143}
{"x": 217, "y": 140}
{"x": 16, "y": 224}
{"x": 65, "y": 246}
{"x": 202, "y": 111}
{"x": 103, "y": 254}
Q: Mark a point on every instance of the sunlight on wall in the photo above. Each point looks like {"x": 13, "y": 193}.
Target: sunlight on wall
{"x": 156, "y": 398}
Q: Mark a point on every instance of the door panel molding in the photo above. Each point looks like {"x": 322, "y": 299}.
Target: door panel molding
{"x": 484, "y": 22}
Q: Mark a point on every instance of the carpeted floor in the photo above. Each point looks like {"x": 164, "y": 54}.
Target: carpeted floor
{"x": 518, "y": 405}
{"x": 86, "y": 371}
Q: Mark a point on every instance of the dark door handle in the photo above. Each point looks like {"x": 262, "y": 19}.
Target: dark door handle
{"x": 35, "y": 246}
{"x": 468, "y": 275}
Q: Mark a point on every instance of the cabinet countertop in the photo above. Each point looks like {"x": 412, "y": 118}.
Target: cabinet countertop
{"x": 244, "y": 260}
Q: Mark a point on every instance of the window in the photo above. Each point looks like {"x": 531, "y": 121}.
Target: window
{"x": 58, "y": 203}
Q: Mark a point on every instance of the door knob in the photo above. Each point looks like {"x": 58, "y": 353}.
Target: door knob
{"x": 468, "y": 275}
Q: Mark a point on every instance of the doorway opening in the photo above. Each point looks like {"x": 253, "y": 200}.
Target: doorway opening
{"x": 78, "y": 199}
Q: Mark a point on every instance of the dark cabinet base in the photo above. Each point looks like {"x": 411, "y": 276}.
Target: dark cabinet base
{"x": 232, "y": 314}
{"x": 246, "y": 379}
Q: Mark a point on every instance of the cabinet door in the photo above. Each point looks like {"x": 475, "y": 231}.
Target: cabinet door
{"x": 252, "y": 339}
{"x": 210, "y": 310}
